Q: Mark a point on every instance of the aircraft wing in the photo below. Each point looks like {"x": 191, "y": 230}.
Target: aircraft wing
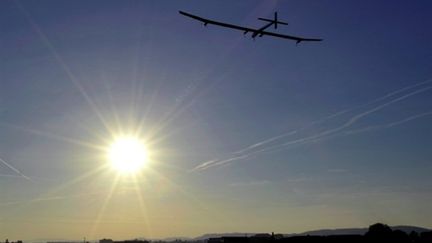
{"x": 246, "y": 29}
{"x": 209, "y": 21}
{"x": 290, "y": 37}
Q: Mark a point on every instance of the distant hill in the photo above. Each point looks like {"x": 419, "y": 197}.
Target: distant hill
{"x": 408, "y": 229}
{"x": 359, "y": 231}
{"x": 323, "y": 232}
{"x": 342, "y": 231}
{"x": 216, "y": 235}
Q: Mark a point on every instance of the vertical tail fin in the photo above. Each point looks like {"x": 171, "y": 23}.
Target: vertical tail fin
{"x": 275, "y": 22}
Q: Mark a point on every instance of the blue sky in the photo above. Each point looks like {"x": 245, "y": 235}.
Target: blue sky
{"x": 241, "y": 131}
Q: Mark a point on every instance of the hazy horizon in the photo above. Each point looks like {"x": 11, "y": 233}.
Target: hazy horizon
{"x": 248, "y": 234}
{"x": 228, "y": 134}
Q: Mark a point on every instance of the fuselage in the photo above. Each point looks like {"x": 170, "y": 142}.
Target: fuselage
{"x": 258, "y": 31}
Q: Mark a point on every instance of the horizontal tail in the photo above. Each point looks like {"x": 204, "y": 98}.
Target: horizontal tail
{"x": 274, "y": 21}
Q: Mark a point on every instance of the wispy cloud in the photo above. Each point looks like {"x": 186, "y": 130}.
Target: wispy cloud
{"x": 268, "y": 145}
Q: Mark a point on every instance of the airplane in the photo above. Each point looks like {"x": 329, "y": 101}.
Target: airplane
{"x": 255, "y": 32}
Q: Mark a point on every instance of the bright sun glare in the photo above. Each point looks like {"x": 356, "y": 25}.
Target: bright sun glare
{"x": 128, "y": 154}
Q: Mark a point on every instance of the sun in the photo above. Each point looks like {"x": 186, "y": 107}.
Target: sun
{"x": 127, "y": 154}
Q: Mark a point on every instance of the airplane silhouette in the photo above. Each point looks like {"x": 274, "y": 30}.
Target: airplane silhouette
{"x": 255, "y": 32}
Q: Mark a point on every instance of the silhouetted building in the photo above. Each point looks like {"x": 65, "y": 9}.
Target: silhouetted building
{"x": 235, "y": 239}
{"x": 66, "y": 242}
{"x": 106, "y": 241}
{"x": 124, "y": 241}
{"x": 262, "y": 235}
{"x": 229, "y": 239}
{"x": 133, "y": 241}
{"x": 261, "y": 238}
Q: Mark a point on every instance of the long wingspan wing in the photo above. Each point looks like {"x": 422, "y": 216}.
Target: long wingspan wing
{"x": 261, "y": 33}
{"x": 296, "y": 38}
{"x": 209, "y": 21}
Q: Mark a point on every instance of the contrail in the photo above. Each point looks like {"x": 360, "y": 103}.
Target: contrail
{"x": 213, "y": 163}
{"x": 326, "y": 118}
{"x": 264, "y": 142}
{"x": 320, "y": 135}
{"x": 9, "y": 175}
{"x": 349, "y": 123}
{"x": 398, "y": 91}
{"x": 354, "y": 119}
{"x": 392, "y": 124}
{"x": 373, "y": 128}
{"x": 14, "y": 169}
{"x": 204, "y": 164}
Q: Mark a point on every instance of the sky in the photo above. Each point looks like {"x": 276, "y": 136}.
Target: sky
{"x": 243, "y": 135}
